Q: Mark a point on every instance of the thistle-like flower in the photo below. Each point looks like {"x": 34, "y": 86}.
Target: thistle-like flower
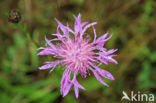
{"x": 78, "y": 55}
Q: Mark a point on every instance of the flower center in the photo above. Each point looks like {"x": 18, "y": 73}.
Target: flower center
{"x": 76, "y": 55}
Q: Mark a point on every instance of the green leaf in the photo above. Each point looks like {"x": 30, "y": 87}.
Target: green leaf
{"x": 34, "y": 56}
{"x": 144, "y": 76}
{"x": 93, "y": 84}
{"x": 50, "y": 97}
{"x": 28, "y": 36}
{"x": 19, "y": 40}
{"x": 4, "y": 98}
{"x": 153, "y": 56}
{"x": 24, "y": 89}
{"x": 5, "y": 83}
{"x": 24, "y": 27}
{"x": 16, "y": 25}
{"x": 70, "y": 99}
{"x": 40, "y": 93}
{"x": 6, "y": 13}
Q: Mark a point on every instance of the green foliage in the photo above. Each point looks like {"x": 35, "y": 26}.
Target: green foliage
{"x": 144, "y": 76}
{"x": 70, "y": 99}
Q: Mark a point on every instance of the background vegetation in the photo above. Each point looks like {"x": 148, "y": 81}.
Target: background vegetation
{"x": 132, "y": 23}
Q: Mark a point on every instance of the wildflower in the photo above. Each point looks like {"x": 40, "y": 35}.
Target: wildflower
{"x": 78, "y": 55}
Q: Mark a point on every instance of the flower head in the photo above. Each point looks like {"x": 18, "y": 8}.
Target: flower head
{"x": 78, "y": 55}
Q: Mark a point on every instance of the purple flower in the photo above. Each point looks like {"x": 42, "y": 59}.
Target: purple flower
{"x": 78, "y": 55}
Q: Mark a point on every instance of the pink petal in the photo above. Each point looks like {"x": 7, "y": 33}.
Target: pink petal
{"x": 102, "y": 37}
{"x": 109, "y": 59}
{"x": 49, "y": 43}
{"x": 76, "y": 89}
{"x": 65, "y": 83}
{"x": 50, "y": 65}
{"x": 66, "y": 89}
{"x": 79, "y": 17}
{"x": 102, "y": 60}
{"x": 84, "y": 23}
{"x": 105, "y": 73}
{"x": 63, "y": 28}
{"x": 110, "y": 51}
{"x": 47, "y": 51}
{"x": 87, "y": 26}
{"x": 78, "y": 85}
{"x": 77, "y": 25}
{"x": 99, "y": 78}
{"x": 75, "y": 82}
{"x": 94, "y": 34}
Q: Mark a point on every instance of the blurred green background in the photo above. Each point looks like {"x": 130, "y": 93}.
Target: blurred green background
{"x": 132, "y": 23}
